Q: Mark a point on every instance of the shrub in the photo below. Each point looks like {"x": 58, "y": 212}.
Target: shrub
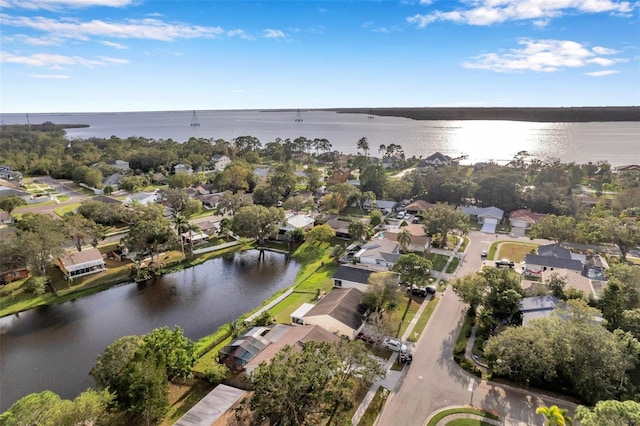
{"x": 265, "y": 318}
{"x": 216, "y": 373}
{"x": 36, "y": 285}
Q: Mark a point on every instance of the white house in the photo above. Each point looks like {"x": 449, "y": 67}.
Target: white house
{"x": 296, "y": 221}
{"x": 489, "y": 217}
{"x": 182, "y": 168}
{"x": 347, "y": 276}
{"x": 81, "y": 263}
{"x": 143, "y": 198}
{"x": 381, "y": 252}
{"x": 220, "y": 162}
{"x": 339, "y": 312}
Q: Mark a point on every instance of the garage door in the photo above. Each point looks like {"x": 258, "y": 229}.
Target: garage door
{"x": 489, "y": 226}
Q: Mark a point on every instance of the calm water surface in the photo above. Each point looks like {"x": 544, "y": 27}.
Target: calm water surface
{"x": 54, "y": 347}
{"x": 616, "y": 142}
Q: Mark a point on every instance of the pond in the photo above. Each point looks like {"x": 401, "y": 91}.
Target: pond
{"x": 54, "y": 347}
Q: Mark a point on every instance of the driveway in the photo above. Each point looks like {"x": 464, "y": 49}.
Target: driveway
{"x": 434, "y": 381}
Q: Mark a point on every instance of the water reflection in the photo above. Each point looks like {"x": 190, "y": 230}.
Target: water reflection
{"x": 54, "y": 347}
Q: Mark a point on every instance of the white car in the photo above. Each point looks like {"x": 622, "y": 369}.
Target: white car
{"x": 394, "y": 345}
{"x": 400, "y": 215}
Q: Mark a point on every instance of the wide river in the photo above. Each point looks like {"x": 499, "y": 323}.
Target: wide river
{"x": 616, "y": 142}
{"x": 54, "y": 347}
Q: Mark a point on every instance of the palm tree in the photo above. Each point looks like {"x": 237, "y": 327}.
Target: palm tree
{"x": 359, "y": 230}
{"x": 363, "y": 144}
{"x": 404, "y": 239}
{"x": 555, "y": 416}
{"x": 181, "y": 223}
{"x": 381, "y": 149}
{"x": 192, "y": 227}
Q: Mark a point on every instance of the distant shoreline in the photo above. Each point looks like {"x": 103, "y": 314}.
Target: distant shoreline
{"x": 547, "y": 115}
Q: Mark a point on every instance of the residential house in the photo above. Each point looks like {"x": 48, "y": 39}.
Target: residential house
{"x": 522, "y": 220}
{"x": 121, "y": 165}
{"x": 628, "y": 168}
{"x": 143, "y": 198}
{"x": 261, "y": 172}
{"x": 294, "y": 337}
{"x": 5, "y": 218}
{"x": 295, "y": 221}
{"x": 11, "y": 175}
{"x": 246, "y": 351}
{"x": 352, "y": 276}
{"x": 220, "y": 162}
{"x": 385, "y": 206}
{"x": 381, "y": 252}
{"x": 159, "y": 179}
{"x": 417, "y": 207}
{"x": 112, "y": 180}
{"x": 182, "y": 168}
{"x": 537, "y": 307}
{"x": 419, "y": 241}
{"x": 392, "y": 162}
{"x": 339, "y": 312}
{"x": 436, "y": 160}
{"x": 339, "y": 226}
{"x": 13, "y": 273}
{"x": 554, "y": 256}
{"x": 489, "y": 217}
{"x": 194, "y": 238}
{"x": 209, "y": 200}
{"x": 340, "y": 175}
{"x": 80, "y": 263}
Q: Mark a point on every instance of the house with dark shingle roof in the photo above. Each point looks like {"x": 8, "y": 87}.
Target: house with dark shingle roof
{"x": 81, "y": 263}
{"x": 347, "y": 276}
{"x": 339, "y": 312}
{"x": 435, "y": 160}
{"x": 537, "y": 307}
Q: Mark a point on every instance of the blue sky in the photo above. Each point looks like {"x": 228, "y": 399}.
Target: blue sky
{"x": 141, "y": 55}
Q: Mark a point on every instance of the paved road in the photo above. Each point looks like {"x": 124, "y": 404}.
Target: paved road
{"x": 434, "y": 381}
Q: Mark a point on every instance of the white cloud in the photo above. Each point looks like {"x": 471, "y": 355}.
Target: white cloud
{"x": 49, "y": 76}
{"x": 34, "y": 41}
{"x": 148, "y": 28}
{"x": 114, "y": 45}
{"x": 601, "y": 73}
{"x": 489, "y": 12}
{"x": 57, "y": 61}
{"x": 241, "y": 34}
{"x": 59, "y": 4}
{"x": 542, "y": 56}
{"x": 270, "y": 33}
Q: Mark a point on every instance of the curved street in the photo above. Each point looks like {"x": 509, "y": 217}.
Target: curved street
{"x": 434, "y": 381}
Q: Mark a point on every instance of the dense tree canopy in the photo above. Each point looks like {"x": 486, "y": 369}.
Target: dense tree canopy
{"x": 258, "y": 222}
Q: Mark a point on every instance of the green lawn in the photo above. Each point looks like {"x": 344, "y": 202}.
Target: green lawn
{"x": 441, "y": 415}
{"x": 423, "y": 320}
{"x": 375, "y": 407}
{"x": 453, "y": 265}
{"x": 62, "y": 211}
{"x": 514, "y": 251}
{"x": 467, "y": 422}
{"x": 438, "y": 260}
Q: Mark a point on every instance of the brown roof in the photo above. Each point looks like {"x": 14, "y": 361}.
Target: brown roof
{"x": 342, "y": 304}
{"x": 294, "y": 337}
{"x": 80, "y": 257}
{"x": 526, "y": 215}
{"x": 419, "y": 205}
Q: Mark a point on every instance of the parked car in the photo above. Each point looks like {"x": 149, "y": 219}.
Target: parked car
{"x": 483, "y": 253}
{"x": 367, "y": 338}
{"x": 505, "y": 262}
{"x": 400, "y": 215}
{"x": 430, "y": 289}
{"x": 394, "y": 345}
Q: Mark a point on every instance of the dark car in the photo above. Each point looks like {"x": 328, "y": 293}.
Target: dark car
{"x": 367, "y": 338}
{"x": 505, "y": 262}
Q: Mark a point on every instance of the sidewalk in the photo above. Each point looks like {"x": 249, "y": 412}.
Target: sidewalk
{"x": 392, "y": 378}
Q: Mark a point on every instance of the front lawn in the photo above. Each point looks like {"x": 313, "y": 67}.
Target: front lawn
{"x": 515, "y": 252}
{"x": 438, "y": 260}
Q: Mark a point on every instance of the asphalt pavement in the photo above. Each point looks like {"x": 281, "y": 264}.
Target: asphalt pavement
{"x": 434, "y": 381}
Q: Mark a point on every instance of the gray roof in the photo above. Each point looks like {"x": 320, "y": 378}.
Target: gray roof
{"x": 352, "y": 273}
{"x": 538, "y": 303}
{"x": 438, "y": 156}
{"x": 6, "y": 191}
{"x": 554, "y": 250}
{"x": 212, "y": 406}
{"x": 342, "y": 304}
{"x": 553, "y": 262}
{"x": 382, "y": 204}
{"x": 113, "y": 179}
{"x": 106, "y": 200}
{"x": 483, "y": 211}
